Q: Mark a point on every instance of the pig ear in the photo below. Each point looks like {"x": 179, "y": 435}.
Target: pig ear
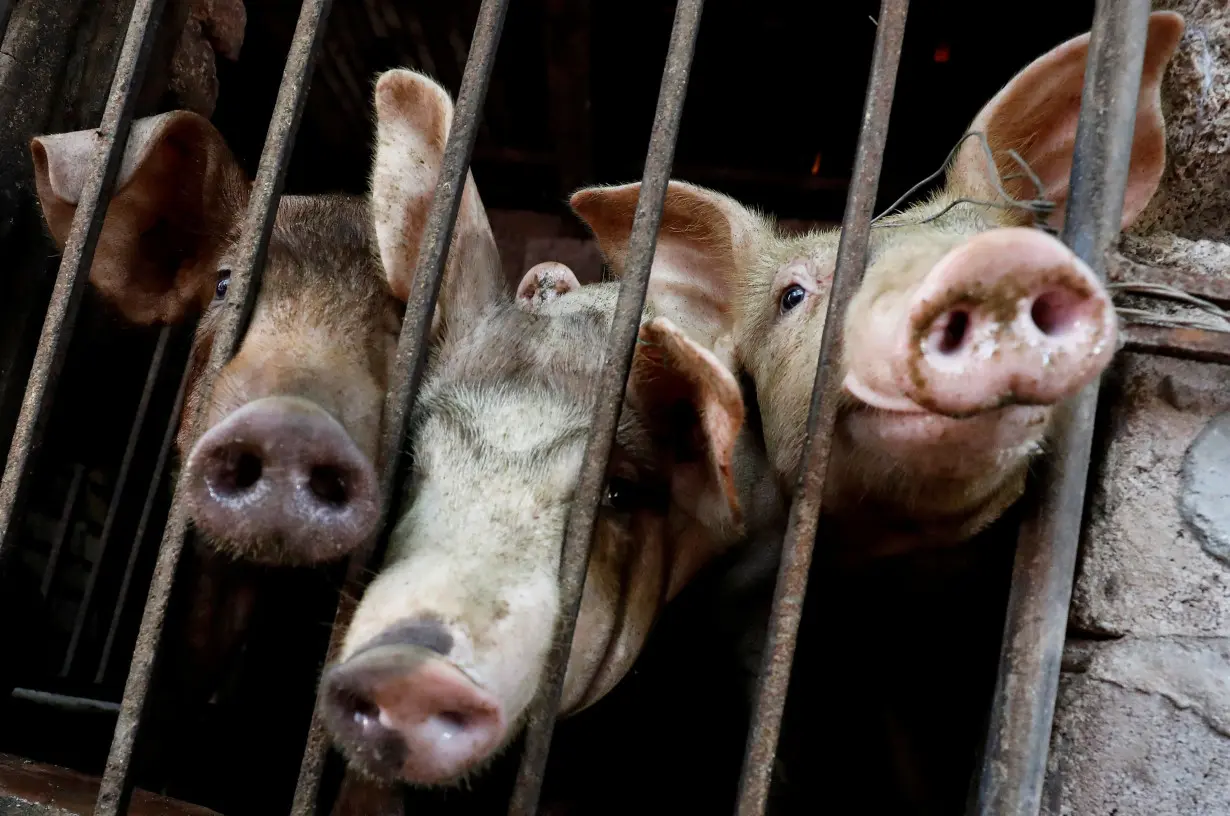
{"x": 413, "y": 116}
{"x": 177, "y": 196}
{"x": 1036, "y": 114}
{"x": 695, "y": 409}
{"x": 705, "y": 241}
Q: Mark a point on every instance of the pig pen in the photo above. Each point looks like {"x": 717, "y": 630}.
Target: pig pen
{"x": 1116, "y": 703}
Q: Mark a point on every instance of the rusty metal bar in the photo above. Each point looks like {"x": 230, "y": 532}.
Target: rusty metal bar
{"x": 1202, "y": 345}
{"x": 6, "y": 12}
{"x": 411, "y": 350}
{"x": 621, "y": 343}
{"x": 66, "y": 519}
{"x": 75, "y": 263}
{"x": 130, "y": 448}
{"x": 1018, "y": 737}
{"x": 151, "y": 494}
{"x": 116, "y": 787}
{"x": 66, "y": 702}
{"x": 805, "y": 510}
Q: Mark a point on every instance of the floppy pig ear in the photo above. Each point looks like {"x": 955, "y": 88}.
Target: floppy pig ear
{"x": 694, "y": 408}
{"x": 413, "y": 117}
{"x": 704, "y": 242}
{"x": 1036, "y": 114}
{"x": 178, "y": 193}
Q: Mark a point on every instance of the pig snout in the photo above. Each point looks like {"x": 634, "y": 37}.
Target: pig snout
{"x": 281, "y": 480}
{"x": 401, "y": 710}
{"x": 1011, "y": 316}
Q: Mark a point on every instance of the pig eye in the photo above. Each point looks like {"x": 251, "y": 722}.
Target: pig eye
{"x": 224, "y": 283}
{"x": 792, "y": 297}
{"x": 620, "y": 494}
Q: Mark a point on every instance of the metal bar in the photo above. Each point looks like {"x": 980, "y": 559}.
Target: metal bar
{"x": 66, "y": 702}
{"x": 75, "y": 263}
{"x": 1181, "y": 343}
{"x": 151, "y": 494}
{"x": 617, "y": 362}
{"x": 6, "y": 12}
{"x": 805, "y": 511}
{"x": 66, "y": 518}
{"x": 116, "y": 787}
{"x": 134, "y": 434}
{"x": 1202, "y": 280}
{"x": 411, "y": 350}
{"x": 1014, "y": 763}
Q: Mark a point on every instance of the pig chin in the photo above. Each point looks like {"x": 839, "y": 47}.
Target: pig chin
{"x": 941, "y": 447}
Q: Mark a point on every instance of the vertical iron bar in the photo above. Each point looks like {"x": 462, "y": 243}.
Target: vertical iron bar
{"x": 130, "y": 448}
{"x": 6, "y": 12}
{"x": 1014, "y": 766}
{"x": 66, "y": 520}
{"x": 621, "y": 344}
{"x": 411, "y": 348}
{"x": 805, "y": 510}
{"x": 151, "y": 494}
{"x": 75, "y": 263}
{"x": 116, "y": 787}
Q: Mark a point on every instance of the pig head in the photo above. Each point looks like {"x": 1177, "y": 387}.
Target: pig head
{"x": 447, "y": 648}
{"x": 968, "y": 327}
{"x": 283, "y": 471}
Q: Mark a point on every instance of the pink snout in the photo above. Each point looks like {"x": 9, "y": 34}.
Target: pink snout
{"x": 281, "y": 481}
{"x": 1011, "y": 316}
{"x": 401, "y": 711}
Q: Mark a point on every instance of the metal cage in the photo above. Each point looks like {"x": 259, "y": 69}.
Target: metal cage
{"x": 1020, "y": 724}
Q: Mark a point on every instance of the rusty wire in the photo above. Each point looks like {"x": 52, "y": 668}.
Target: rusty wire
{"x": 411, "y": 350}
{"x": 791, "y": 587}
{"x": 1018, "y": 736}
{"x": 78, "y": 256}
{"x": 116, "y": 787}
{"x": 1035, "y": 206}
{"x": 617, "y": 362}
{"x": 1165, "y": 292}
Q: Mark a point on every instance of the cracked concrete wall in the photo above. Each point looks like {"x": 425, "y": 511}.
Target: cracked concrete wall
{"x": 1142, "y": 723}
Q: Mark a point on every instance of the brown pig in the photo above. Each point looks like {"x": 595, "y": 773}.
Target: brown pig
{"x": 969, "y": 326}
{"x": 284, "y": 470}
{"x": 447, "y": 648}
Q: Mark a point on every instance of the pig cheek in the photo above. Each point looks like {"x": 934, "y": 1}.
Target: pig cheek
{"x": 625, "y": 588}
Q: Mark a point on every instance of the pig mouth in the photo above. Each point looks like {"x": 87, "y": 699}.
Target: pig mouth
{"x": 985, "y": 438}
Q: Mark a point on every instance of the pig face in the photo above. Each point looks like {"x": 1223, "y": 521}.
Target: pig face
{"x": 966, "y": 331}
{"x": 284, "y": 469}
{"x": 447, "y": 647}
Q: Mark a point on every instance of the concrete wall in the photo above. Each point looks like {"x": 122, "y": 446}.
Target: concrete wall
{"x": 1142, "y": 724}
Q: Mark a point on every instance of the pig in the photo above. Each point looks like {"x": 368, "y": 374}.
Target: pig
{"x": 447, "y": 647}
{"x": 967, "y": 329}
{"x": 283, "y": 471}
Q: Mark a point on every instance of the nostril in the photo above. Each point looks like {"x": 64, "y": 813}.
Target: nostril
{"x": 238, "y": 470}
{"x": 951, "y": 331}
{"x": 454, "y": 719}
{"x": 362, "y": 710}
{"x": 328, "y": 483}
{"x": 1055, "y": 312}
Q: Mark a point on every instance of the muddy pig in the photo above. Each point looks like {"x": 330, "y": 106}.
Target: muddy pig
{"x": 968, "y": 327}
{"x": 283, "y": 471}
{"x": 447, "y": 647}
